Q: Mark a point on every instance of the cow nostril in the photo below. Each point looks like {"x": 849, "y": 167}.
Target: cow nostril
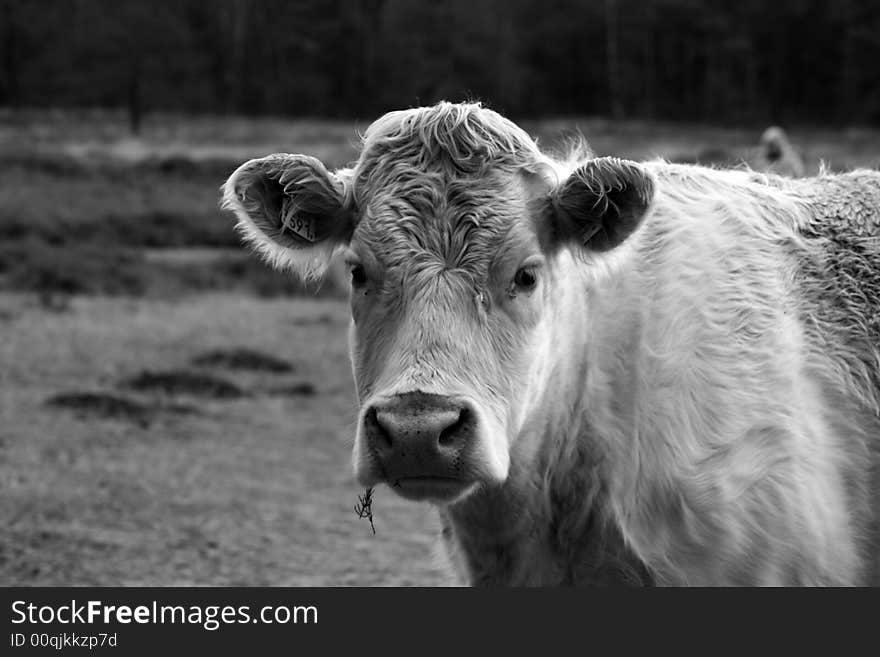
{"x": 453, "y": 433}
{"x": 380, "y": 433}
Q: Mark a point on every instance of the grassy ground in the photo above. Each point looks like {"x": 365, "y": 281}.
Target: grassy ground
{"x": 186, "y": 484}
{"x": 145, "y": 435}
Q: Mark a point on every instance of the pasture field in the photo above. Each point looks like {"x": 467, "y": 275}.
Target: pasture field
{"x": 171, "y": 411}
{"x": 148, "y": 468}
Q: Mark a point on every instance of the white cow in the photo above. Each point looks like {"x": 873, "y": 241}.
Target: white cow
{"x": 600, "y": 371}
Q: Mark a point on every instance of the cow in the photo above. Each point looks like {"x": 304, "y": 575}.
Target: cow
{"x": 777, "y": 155}
{"x": 599, "y": 371}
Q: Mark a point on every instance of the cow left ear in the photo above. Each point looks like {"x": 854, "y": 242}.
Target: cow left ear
{"x": 602, "y": 203}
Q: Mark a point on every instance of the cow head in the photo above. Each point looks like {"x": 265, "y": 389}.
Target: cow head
{"x": 451, "y": 222}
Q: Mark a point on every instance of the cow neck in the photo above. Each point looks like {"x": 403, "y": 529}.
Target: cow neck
{"x": 544, "y": 529}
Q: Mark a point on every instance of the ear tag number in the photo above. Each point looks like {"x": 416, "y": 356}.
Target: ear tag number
{"x": 301, "y": 224}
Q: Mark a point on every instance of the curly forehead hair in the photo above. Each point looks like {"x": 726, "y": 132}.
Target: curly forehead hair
{"x": 455, "y": 140}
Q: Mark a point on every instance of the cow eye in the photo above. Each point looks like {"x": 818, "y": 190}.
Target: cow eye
{"x": 525, "y": 279}
{"x": 358, "y": 275}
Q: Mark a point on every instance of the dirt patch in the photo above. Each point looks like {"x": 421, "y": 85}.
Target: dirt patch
{"x": 320, "y": 319}
{"x": 105, "y": 405}
{"x": 99, "y": 403}
{"x": 181, "y": 382}
{"x": 301, "y": 389}
{"x": 242, "y": 359}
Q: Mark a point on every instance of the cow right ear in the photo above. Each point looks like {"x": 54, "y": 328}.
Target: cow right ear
{"x": 294, "y": 211}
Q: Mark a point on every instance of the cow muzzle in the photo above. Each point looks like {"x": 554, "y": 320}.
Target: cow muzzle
{"x": 420, "y": 444}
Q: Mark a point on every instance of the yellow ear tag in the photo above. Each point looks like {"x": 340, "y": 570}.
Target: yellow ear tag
{"x": 296, "y": 222}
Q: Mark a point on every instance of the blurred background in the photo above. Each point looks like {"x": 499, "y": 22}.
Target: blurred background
{"x": 171, "y": 411}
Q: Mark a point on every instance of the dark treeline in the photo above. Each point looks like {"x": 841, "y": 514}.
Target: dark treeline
{"x": 750, "y": 61}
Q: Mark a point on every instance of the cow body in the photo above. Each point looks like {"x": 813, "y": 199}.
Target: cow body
{"x": 722, "y": 409}
{"x": 601, "y": 372}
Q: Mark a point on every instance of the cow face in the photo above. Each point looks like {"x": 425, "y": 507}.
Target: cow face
{"x": 452, "y": 241}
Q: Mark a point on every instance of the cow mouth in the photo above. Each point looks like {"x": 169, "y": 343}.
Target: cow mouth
{"x": 431, "y": 488}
